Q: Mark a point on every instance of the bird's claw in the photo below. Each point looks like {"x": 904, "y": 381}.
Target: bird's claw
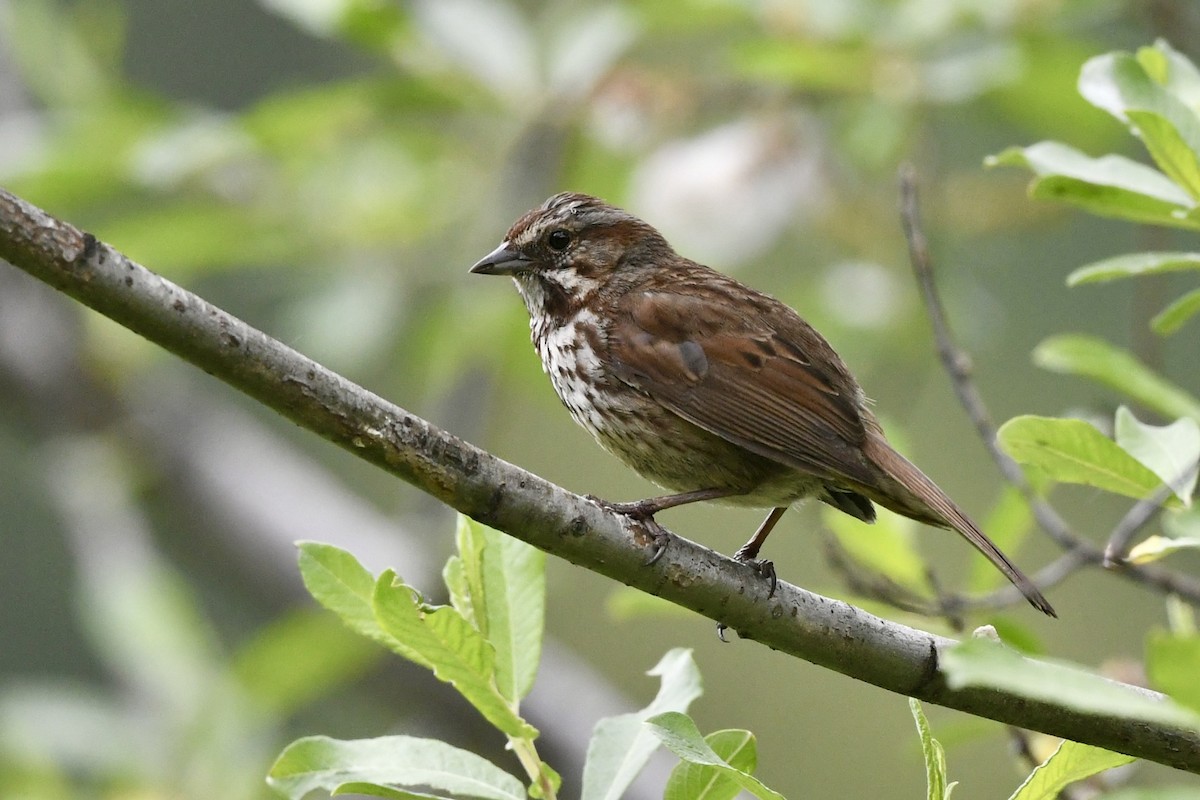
{"x": 636, "y": 511}
{"x": 764, "y": 568}
{"x": 661, "y": 538}
{"x": 721, "y": 628}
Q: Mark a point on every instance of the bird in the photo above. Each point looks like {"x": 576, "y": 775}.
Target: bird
{"x": 707, "y": 387}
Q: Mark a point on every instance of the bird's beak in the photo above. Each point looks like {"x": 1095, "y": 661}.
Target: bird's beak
{"x": 502, "y": 261}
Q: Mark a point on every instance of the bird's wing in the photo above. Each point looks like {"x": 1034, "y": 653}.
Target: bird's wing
{"x": 757, "y": 376}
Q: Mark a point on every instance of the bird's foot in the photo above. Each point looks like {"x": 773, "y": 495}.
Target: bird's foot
{"x": 641, "y": 510}
{"x": 642, "y": 513}
{"x": 763, "y": 567}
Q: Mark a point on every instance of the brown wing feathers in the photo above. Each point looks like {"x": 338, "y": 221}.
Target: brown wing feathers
{"x": 752, "y": 382}
{"x": 741, "y": 380}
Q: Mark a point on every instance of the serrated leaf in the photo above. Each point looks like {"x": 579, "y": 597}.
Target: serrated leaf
{"x": 1172, "y": 664}
{"x": 1152, "y": 548}
{"x": 620, "y": 746}
{"x": 937, "y": 787}
{"x": 689, "y": 781}
{"x": 1171, "y": 318}
{"x": 1076, "y": 354}
{"x": 1132, "y": 265}
{"x": 454, "y": 575}
{"x": 1171, "y": 452}
{"x": 679, "y": 733}
{"x": 469, "y": 540}
{"x": 1074, "y": 451}
{"x": 1112, "y": 185}
{"x": 318, "y": 762}
{"x": 339, "y": 583}
{"x": 1069, "y": 763}
{"x": 982, "y": 663}
{"x": 514, "y": 583}
{"x": 456, "y": 652}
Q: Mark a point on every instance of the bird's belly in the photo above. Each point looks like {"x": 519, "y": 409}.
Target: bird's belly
{"x": 657, "y": 443}
{"x": 682, "y": 457}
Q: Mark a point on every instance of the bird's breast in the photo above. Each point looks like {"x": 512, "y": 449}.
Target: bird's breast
{"x": 571, "y": 356}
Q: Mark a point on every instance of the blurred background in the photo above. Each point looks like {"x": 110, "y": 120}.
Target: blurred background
{"x": 328, "y": 170}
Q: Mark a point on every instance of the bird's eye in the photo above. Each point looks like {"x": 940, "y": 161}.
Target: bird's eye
{"x": 558, "y": 240}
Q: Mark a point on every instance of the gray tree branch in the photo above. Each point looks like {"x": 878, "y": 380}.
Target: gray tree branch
{"x": 826, "y": 632}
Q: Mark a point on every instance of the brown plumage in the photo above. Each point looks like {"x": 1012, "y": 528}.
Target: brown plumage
{"x": 703, "y": 385}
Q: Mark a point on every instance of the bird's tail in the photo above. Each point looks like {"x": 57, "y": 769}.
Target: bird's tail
{"x": 906, "y": 490}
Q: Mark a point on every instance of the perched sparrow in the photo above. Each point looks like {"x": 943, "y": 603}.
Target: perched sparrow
{"x": 703, "y": 385}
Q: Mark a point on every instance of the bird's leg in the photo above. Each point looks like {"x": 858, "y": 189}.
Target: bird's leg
{"x": 644, "y": 510}
{"x": 748, "y": 552}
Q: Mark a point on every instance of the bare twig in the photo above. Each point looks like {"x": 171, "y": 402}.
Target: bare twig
{"x": 957, "y": 365}
{"x": 1139, "y": 514}
{"x": 825, "y": 632}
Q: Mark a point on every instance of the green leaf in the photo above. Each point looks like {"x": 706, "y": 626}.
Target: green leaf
{"x": 1132, "y": 265}
{"x": 982, "y": 663}
{"x": 1170, "y": 140}
{"x": 1152, "y": 548}
{"x": 339, "y": 583}
{"x": 1171, "y": 451}
{"x": 887, "y": 547}
{"x": 690, "y": 781}
{"x": 679, "y": 733}
{"x": 455, "y": 651}
{"x": 1112, "y": 185}
{"x": 454, "y": 575}
{"x": 1172, "y": 663}
{"x": 621, "y": 745}
{"x": 1173, "y": 70}
{"x": 318, "y": 762}
{"x": 1069, "y": 763}
{"x": 1170, "y": 130}
{"x": 1171, "y": 318}
{"x": 299, "y": 658}
{"x": 514, "y": 583}
{"x": 378, "y": 790}
{"x": 935, "y": 755}
{"x": 1094, "y": 358}
{"x": 470, "y": 542}
{"x": 1074, "y": 451}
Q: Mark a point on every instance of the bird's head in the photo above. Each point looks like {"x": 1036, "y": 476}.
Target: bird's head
{"x": 570, "y": 248}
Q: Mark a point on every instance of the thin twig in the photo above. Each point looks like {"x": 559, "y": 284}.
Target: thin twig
{"x": 958, "y": 366}
{"x": 1138, "y": 515}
